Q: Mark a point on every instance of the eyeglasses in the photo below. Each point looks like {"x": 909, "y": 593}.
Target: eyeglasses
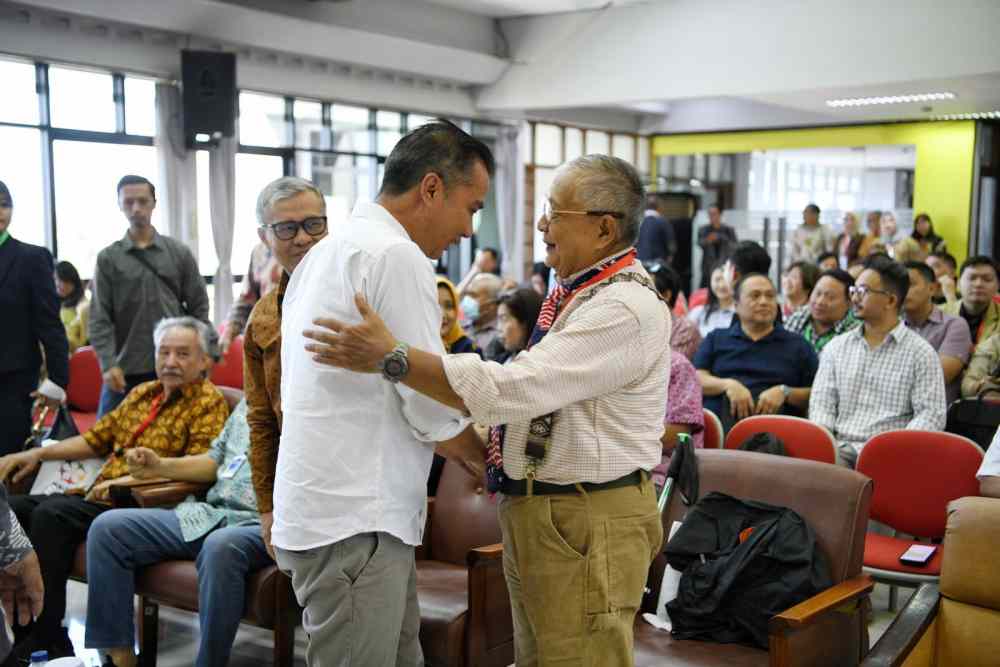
{"x": 287, "y": 230}
{"x": 551, "y": 214}
{"x": 861, "y": 291}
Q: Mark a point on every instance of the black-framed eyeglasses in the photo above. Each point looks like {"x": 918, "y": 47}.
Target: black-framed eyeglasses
{"x": 286, "y": 230}
{"x": 861, "y": 291}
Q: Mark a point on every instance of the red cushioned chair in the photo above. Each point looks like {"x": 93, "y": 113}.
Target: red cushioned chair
{"x": 84, "y": 391}
{"x": 803, "y": 439}
{"x": 713, "y": 430}
{"x": 229, "y": 371}
{"x": 916, "y": 474}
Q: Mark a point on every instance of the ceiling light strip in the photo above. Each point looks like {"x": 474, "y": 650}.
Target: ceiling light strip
{"x": 889, "y": 99}
{"x": 978, "y": 115}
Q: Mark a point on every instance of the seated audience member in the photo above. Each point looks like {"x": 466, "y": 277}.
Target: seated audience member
{"x": 747, "y": 257}
{"x": 178, "y": 414}
{"x": 517, "y": 314}
{"x": 989, "y": 472}
{"x": 846, "y": 246}
{"x": 718, "y": 312}
{"x": 881, "y": 376}
{"x": 222, "y": 535}
{"x": 947, "y": 334}
{"x": 873, "y": 221}
{"x": 759, "y": 366}
{"x": 261, "y": 277}
{"x": 540, "y": 278}
{"x": 902, "y": 249}
{"x": 487, "y": 261}
{"x": 684, "y": 335}
{"x": 829, "y": 313}
{"x": 812, "y": 238}
{"x": 479, "y": 307}
{"x": 855, "y": 269}
{"x": 945, "y": 272}
{"x": 923, "y": 234}
{"x": 983, "y": 373}
{"x": 684, "y": 412}
{"x": 797, "y": 283}
{"x": 828, "y": 262}
{"x": 978, "y": 284}
{"x": 452, "y": 334}
{"x": 75, "y": 308}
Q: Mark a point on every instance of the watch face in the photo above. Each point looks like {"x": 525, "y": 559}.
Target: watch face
{"x": 395, "y": 367}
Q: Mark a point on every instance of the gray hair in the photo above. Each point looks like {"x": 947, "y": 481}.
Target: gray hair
{"x": 605, "y": 183}
{"x": 492, "y": 282}
{"x": 283, "y": 188}
{"x": 205, "y": 332}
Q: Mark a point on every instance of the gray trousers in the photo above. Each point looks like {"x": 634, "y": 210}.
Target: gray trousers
{"x": 360, "y": 601}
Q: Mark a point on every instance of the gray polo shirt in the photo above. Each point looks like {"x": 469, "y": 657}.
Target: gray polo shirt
{"x": 949, "y": 336}
{"x": 128, "y": 299}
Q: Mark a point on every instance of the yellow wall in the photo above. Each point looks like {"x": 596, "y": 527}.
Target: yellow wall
{"x": 943, "y": 178}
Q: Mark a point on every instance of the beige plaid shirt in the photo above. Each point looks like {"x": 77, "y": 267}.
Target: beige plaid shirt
{"x": 603, "y": 369}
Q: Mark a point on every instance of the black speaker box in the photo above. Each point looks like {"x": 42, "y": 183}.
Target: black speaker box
{"x": 208, "y": 80}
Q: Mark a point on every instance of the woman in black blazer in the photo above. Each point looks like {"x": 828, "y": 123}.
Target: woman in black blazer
{"x": 29, "y": 307}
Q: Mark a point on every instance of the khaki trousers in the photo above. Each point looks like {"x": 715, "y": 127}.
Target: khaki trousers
{"x": 576, "y": 566}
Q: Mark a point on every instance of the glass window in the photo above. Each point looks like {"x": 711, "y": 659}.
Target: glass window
{"x": 350, "y": 129}
{"x": 344, "y": 180}
{"x": 20, "y": 102}
{"x": 262, "y": 120}
{"x": 309, "y": 131}
{"x": 140, "y": 106}
{"x": 642, "y": 164}
{"x": 388, "y": 124}
{"x": 21, "y": 170}
{"x": 87, "y": 173}
{"x": 623, "y": 147}
{"x": 574, "y": 142}
{"x": 81, "y": 100}
{"x": 598, "y": 142}
{"x": 253, "y": 172}
{"x": 548, "y": 144}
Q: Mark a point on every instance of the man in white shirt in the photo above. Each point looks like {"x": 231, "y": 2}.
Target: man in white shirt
{"x": 577, "y": 420}
{"x": 355, "y": 452}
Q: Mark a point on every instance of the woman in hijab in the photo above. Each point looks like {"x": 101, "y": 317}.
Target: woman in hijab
{"x": 454, "y": 338}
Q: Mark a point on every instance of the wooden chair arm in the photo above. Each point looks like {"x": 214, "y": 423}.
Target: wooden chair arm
{"x": 167, "y": 494}
{"x": 806, "y": 613}
{"x": 481, "y": 556}
{"x": 899, "y": 639}
{"x": 423, "y": 552}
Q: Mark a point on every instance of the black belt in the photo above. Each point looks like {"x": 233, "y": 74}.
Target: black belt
{"x": 519, "y": 487}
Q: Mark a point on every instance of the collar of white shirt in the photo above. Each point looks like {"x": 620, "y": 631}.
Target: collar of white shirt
{"x": 373, "y": 212}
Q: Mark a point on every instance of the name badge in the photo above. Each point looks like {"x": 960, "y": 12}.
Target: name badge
{"x": 233, "y": 467}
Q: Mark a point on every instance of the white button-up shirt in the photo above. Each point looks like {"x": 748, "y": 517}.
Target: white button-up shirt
{"x": 603, "y": 369}
{"x": 355, "y": 449}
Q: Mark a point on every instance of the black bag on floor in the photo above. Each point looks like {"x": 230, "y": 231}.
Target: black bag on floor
{"x": 741, "y": 563}
{"x": 975, "y": 418}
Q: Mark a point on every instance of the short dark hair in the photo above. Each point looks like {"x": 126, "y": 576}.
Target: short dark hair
{"x": 665, "y": 278}
{"x": 715, "y": 206}
{"x": 750, "y": 257}
{"x": 440, "y": 147}
{"x": 813, "y": 208}
{"x": 926, "y": 272}
{"x": 979, "y": 260}
{"x": 524, "y": 304}
{"x": 67, "y": 273}
{"x": 827, "y": 255}
{"x": 5, "y": 195}
{"x": 496, "y": 256}
{"x": 893, "y": 274}
{"x": 809, "y": 273}
{"x": 947, "y": 258}
{"x": 132, "y": 179}
{"x": 842, "y": 277}
{"x": 744, "y": 278}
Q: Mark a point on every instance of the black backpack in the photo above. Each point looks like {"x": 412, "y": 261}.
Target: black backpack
{"x": 741, "y": 563}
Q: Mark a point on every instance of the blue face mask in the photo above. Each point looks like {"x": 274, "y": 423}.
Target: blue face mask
{"x": 470, "y": 308}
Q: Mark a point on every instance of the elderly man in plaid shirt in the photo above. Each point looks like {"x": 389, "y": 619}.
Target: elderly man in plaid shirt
{"x": 882, "y": 376}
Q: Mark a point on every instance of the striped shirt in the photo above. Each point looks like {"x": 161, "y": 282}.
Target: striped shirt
{"x": 860, "y": 392}
{"x": 602, "y": 369}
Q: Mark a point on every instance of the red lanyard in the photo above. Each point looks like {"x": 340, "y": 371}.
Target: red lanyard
{"x": 610, "y": 271}
{"x": 154, "y": 410}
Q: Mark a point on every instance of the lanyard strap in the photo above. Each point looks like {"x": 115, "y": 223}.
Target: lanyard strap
{"x": 153, "y": 411}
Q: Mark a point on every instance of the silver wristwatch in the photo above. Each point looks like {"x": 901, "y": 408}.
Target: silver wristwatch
{"x": 395, "y": 365}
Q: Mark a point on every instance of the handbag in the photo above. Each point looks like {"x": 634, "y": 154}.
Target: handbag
{"x": 975, "y": 418}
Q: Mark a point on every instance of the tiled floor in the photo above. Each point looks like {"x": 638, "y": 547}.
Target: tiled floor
{"x": 179, "y": 633}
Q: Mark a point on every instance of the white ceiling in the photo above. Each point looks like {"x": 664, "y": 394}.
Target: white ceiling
{"x": 511, "y": 8}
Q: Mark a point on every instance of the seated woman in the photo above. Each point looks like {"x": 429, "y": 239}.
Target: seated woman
{"x": 797, "y": 283}
{"x": 718, "y": 312}
{"x": 454, "y": 338}
{"x": 684, "y": 412}
{"x": 75, "y": 308}
{"x": 684, "y": 335}
{"x": 517, "y": 313}
{"x": 222, "y": 535}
